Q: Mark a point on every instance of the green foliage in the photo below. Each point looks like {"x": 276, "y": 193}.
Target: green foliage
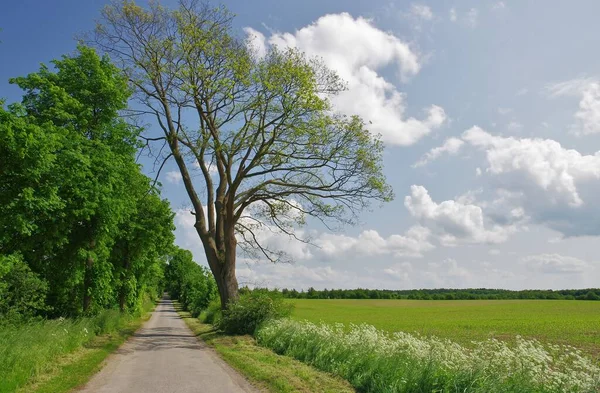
{"x": 193, "y": 285}
{"x": 251, "y": 310}
{"x": 73, "y": 202}
{"x": 212, "y": 314}
{"x": 22, "y": 292}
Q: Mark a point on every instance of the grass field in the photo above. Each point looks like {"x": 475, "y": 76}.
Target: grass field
{"x": 556, "y": 321}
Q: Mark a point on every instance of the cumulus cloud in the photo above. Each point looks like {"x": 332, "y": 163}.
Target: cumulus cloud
{"x": 558, "y": 186}
{"x": 452, "y": 15}
{"x": 587, "y": 117}
{"x": 556, "y": 264}
{"x": 454, "y": 221}
{"x": 543, "y": 161}
{"x": 450, "y": 146}
{"x": 399, "y": 271}
{"x": 356, "y": 49}
{"x": 173, "y": 177}
{"x": 413, "y": 243}
{"x": 447, "y": 273}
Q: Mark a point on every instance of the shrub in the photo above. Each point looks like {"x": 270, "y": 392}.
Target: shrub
{"x": 22, "y": 292}
{"x": 246, "y": 314}
{"x": 212, "y": 314}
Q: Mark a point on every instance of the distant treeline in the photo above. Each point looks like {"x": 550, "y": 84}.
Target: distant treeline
{"x": 443, "y": 294}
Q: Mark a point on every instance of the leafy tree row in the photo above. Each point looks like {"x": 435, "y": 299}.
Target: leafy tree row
{"x": 193, "y": 285}
{"x": 444, "y": 294}
{"x": 81, "y": 228}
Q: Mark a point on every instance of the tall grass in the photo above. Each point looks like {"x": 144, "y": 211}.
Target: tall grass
{"x": 31, "y": 349}
{"x": 376, "y": 361}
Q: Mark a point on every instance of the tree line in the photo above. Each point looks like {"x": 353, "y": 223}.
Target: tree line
{"x": 81, "y": 227}
{"x": 443, "y": 294}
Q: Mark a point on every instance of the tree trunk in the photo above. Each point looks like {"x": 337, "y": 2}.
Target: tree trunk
{"x": 227, "y": 284}
{"x": 124, "y": 278}
{"x": 87, "y": 279}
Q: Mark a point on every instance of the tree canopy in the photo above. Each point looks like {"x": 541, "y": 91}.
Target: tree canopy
{"x": 74, "y": 205}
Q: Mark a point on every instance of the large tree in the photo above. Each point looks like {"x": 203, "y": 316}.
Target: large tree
{"x": 269, "y": 148}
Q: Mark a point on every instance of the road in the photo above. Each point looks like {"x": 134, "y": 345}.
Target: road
{"x": 164, "y": 356}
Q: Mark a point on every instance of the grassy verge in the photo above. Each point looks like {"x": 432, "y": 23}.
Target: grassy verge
{"x": 59, "y": 355}
{"x": 264, "y": 368}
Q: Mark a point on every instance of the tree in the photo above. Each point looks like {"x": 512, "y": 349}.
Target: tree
{"x": 84, "y": 171}
{"x": 263, "y": 124}
{"x": 143, "y": 239}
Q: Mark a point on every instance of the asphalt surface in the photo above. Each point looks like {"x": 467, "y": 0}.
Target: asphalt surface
{"x": 164, "y": 356}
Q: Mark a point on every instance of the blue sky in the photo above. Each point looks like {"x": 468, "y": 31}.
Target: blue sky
{"x": 490, "y": 112}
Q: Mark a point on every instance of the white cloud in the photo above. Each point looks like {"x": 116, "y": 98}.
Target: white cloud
{"x": 421, "y": 11}
{"x": 452, "y": 15}
{"x": 498, "y": 6}
{"x": 413, "y": 243}
{"x": 450, "y": 146}
{"x": 173, "y": 177}
{"x": 399, "y": 271}
{"x": 514, "y": 126}
{"x": 544, "y": 161}
{"x": 256, "y": 40}
{"x": 447, "y": 273}
{"x": 289, "y": 275}
{"x": 571, "y": 87}
{"x": 587, "y": 117}
{"x": 471, "y": 18}
{"x": 454, "y": 222}
{"x": 557, "y": 186}
{"x": 357, "y": 50}
{"x": 494, "y": 251}
{"x": 556, "y": 264}
{"x": 504, "y": 111}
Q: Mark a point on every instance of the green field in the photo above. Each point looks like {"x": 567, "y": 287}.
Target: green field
{"x": 557, "y": 321}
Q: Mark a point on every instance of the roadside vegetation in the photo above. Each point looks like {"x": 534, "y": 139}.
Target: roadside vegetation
{"x": 84, "y": 235}
{"x": 379, "y": 362}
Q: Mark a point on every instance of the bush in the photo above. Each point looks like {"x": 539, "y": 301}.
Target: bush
{"x": 212, "y": 314}
{"x": 251, "y": 310}
{"x": 22, "y": 292}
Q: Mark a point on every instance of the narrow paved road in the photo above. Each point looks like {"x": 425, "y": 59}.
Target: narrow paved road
{"x": 163, "y": 357}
